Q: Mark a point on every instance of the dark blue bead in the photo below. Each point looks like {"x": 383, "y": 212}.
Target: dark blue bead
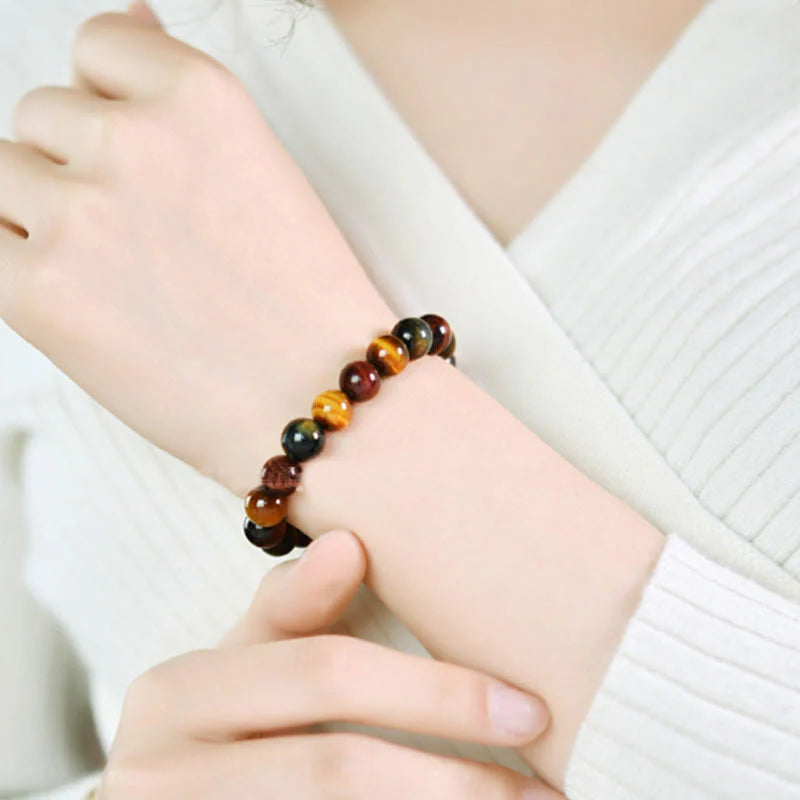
{"x": 302, "y": 438}
{"x": 416, "y": 335}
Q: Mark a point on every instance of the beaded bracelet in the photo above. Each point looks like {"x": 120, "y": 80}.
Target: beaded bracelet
{"x": 265, "y": 524}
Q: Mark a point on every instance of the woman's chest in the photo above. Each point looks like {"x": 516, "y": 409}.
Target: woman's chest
{"x": 509, "y": 103}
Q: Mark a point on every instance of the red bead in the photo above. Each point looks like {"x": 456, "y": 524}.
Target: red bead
{"x": 442, "y": 333}
{"x": 450, "y": 348}
{"x": 360, "y": 381}
{"x": 281, "y": 475}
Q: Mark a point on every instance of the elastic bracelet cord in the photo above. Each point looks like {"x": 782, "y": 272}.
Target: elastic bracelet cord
{"x": 265, "y": 524}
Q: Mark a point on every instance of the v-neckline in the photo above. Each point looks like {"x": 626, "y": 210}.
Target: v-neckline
{"x": 566, "y": 189}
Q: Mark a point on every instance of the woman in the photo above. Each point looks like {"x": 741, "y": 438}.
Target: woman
{"x": 137, "y": 255}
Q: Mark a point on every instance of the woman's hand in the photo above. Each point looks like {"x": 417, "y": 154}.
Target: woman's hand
{"x": 158, "y": 235}
{"x": 233, "y": 722}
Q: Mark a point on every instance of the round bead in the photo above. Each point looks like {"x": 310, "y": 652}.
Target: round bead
{"x": 264, "y": 507}
{"x": 281, "y": 475}
{"x": 451, "y": 360}
{"x": 300, "y": 538}
{"x": 442, "y": 333}
{"x": 416, "y": 335}
{"x": 388, "y": 354}
{"x": 264, "y": 537}
{"x": 284, "y": 546}
{"x": 360, "y": 381}
{"x": 302, "y": 439}
{"x": 332, "y": 410}
{"x": 450, "y": 349}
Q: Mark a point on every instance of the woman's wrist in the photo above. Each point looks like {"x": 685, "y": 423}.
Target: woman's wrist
{"x": 520, "y": 564}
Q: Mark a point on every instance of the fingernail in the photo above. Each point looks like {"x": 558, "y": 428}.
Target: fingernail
{"x": 515, "y": 713}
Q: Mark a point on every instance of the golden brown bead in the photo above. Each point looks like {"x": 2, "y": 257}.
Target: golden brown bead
{"x": 388, "y": 354}
{"x": 264, "y": 507}
{"x": 332, "y": 410}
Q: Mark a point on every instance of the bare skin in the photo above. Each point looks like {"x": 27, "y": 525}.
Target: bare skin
{"x": 186, "y": 315}
{"x": 510, "y": 97}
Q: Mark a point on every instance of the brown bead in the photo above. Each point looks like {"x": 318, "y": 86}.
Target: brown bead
{"x": 281, "y": 475}
{"x": 360, "y": 381}
{"x": 264, "y": 507}
{"x": 388, "y": 354}
{"x": 441, "y": 333}
{"x": 450, "y": 349}
{"x": 332, "y": 410}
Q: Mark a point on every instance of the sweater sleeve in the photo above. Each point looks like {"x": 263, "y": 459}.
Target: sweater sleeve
{"x": 702, "y": 698}
{"x": 74, "y": 790}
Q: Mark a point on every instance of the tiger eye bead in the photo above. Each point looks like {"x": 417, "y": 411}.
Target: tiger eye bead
{"x": 300, "y": 538}
{"x": 332, "y": 410}
{"x": 388, "y": 354}
{"x": 302, "y": 439}
{"x": 450, "y": 349}
{"x": 416, "y": 335}
{"x": 281, "y": 475}
{"x": 360, "y": 381}
{"x": 284, "y": 546}
{"x": 264, "y": 537}
{"x": 264, "y": 507}
{"x": 442, "y": 333}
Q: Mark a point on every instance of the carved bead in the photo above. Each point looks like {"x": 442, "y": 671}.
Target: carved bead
{"x": 441, "y": 330}
{"x": 388, "y": 354}
{"x": 416, "y": 334}
{"x": 332, "y": 410}
{"x": 360, "y": 381}
{"x": 302, "y": 439}
{"x": 281, "y": 475}
{"x": 264, "y": 537}
{"x": 450, "y": 349}
{"x": 264, "y": 507}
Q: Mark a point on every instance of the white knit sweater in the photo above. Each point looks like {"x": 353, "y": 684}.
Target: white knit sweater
{"x": 660, "y": 290}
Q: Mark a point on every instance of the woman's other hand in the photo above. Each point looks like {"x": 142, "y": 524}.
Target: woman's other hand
{"x": 235, "y": 721}
{"x": 154, "y": 232}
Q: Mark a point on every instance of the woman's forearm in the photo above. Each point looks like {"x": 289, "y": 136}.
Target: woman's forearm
{"x": 492, "y": 548}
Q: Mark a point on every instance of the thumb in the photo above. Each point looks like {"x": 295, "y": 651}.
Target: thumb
{"x": 306, "y": 595}
{"x": 143, "y": 12}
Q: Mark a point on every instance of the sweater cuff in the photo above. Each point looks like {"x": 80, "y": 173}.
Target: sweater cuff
{"x": 78, "y": 789}
{"x": 702, "y": 698}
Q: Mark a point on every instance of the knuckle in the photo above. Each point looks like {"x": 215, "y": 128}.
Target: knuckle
{"x": 198, "y": 73}
{"x": 93, "y": 26}
{"x": 149, "y": 696}
{"x": 338, "y": 762}
{"x": 25, "y": 107}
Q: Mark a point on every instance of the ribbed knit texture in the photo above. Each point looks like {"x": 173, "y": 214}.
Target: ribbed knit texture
{"x": 661, "y": 291}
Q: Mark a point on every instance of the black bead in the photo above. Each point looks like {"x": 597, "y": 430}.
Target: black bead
{"x": 416, "y": 335}
{"x": 284, "y": 546}
{"x": 264, "y": 537}
{"x": 451, "y": 360}
{"x": 300, "y": 538}
{"x": 302, "y": 439}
